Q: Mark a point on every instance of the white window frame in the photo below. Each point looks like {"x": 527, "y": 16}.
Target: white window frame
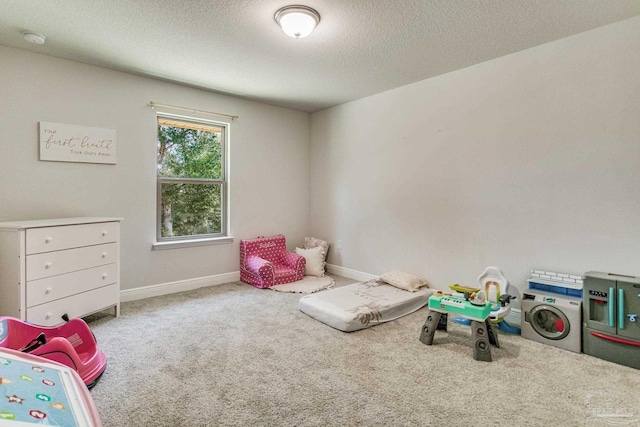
{"x": 224, "y": 236}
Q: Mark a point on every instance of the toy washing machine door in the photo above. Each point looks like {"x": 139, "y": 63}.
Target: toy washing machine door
{"x": 548, "y": 322}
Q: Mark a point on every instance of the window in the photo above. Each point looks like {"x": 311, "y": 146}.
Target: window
{"x": 192, "y": 179}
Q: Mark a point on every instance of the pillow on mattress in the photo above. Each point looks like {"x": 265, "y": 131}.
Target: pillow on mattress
{"x": 403, "y": 280}
{"x": 315, "y": 260}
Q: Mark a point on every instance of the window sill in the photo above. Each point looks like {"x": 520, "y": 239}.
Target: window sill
{"x": 178, "y": 244}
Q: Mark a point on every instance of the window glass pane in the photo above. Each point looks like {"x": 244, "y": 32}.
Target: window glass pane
{"x": 189, "y": 150}
{"x": 190, "y": 209}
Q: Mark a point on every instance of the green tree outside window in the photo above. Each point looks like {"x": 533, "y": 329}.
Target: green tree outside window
{"x": 191, "y": 179}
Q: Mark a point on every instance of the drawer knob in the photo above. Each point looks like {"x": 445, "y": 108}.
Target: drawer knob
{"x": 47, "y": 316}
{"x": 104, "y": 233}
{"x": 48, "y": 291}
{"x": 48, "y": 239}
{"x": 48, "y": 265}
{"x": 104, "y": 254}
{"x": 104, "y": 276}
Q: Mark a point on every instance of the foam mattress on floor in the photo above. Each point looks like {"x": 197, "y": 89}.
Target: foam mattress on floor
{"x": 362, "y": 305}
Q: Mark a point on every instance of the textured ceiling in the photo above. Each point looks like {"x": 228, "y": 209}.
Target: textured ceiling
{"x": 360, "y": 47}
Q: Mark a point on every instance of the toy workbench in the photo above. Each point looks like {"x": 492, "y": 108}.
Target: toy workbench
{"x": 482, "y": 332}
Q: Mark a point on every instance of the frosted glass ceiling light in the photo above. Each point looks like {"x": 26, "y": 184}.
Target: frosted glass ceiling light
{"x": 297, "y": 21}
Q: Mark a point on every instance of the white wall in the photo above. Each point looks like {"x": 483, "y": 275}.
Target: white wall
{"x": 269, "y": 162}
{"x": 528, "y": 161}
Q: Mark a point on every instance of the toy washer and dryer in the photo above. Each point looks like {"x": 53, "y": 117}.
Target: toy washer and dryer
{"x": 552, "y": 310}
{"x": 598, "y": 314}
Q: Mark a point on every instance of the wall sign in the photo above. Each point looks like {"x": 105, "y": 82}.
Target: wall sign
{"x": 69, "y": 143}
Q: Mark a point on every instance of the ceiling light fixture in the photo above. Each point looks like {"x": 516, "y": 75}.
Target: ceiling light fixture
{"x": 297, "y": 21}
{"x": 34, "y": 37}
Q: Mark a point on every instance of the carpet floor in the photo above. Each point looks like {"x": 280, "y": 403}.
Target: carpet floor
{"x": 234, "y": 355}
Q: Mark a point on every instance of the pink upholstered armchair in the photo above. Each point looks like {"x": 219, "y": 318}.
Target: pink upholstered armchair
{"x": 265, "y": 262}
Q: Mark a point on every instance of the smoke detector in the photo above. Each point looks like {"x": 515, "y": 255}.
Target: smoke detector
{"x": 32, "y": 37}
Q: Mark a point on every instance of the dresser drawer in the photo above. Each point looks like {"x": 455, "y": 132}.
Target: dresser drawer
{"x": 53, "y": 263}
{"x": 49, "y": 239}
{"x": 64, "y": 285}
{"x": 50, "y": 314}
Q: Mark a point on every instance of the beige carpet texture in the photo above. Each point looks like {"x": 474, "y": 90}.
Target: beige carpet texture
{"x": 235, "y": 355}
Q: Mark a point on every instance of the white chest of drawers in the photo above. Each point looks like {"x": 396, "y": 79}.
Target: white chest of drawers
{"x": 49, "y": 268}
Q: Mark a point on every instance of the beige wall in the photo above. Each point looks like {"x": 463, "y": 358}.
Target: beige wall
{"x": 528, "y": 161}
{"x": 269, "y": 162}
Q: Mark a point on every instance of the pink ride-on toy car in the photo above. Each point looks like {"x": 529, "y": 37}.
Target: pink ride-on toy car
{"x": 71, "y": 344}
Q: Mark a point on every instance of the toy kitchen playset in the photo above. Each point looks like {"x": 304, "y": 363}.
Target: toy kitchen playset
{"x": 611, "y": 318}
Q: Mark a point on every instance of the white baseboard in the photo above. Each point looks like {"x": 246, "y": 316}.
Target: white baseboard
{"x": 349, "y": 273}
{"x": 178, "y": 286}
{"x": 218, "y": 279}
